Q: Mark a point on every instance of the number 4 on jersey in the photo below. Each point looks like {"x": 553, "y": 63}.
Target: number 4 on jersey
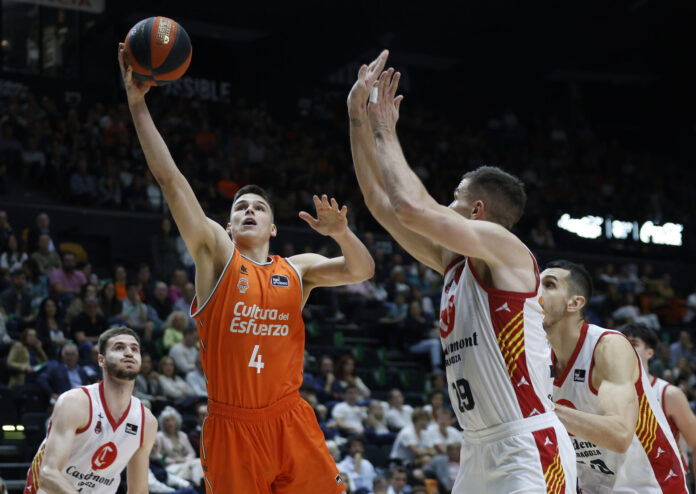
{"x": 254, "y": 362}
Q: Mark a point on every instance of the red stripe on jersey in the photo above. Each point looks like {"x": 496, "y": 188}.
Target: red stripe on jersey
{"x": 80, "y": 431}
{"x": 453, "y": 263}
{"x": 507, "y": 316}
{"x": 665, "y": 463}
{"x": 112, "y": 421}
{"x": 547, "y": 444}
{"x": 558, "y": 382}
{"x": 142, "y": 423}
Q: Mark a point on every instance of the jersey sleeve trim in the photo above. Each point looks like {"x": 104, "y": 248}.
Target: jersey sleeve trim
{"x": 507, "y": 293}
{"x": 453, "y": 263}
{"x": 589, "y": 378}
{"x": 142, "y": 423}
{"x": 194, "y": 302}
{"x": 89, "y": 422}
{"x": 297, "y": 272}
{"x": 558, "y": 382}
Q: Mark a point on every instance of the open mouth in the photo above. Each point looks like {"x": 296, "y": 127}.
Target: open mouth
{"x": 249, "y": 221}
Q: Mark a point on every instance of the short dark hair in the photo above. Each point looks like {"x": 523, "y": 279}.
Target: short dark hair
{"x": 506, "y": 190}
{"x": 638, "y": 330}
{"x": 255, "y": 189}
{"x": 110, "y": 333}
{"x": 398, "y": 469}
{"x": 579, "y": 280}
{"x": 356, "y": 438}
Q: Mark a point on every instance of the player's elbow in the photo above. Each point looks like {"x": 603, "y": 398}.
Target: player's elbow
{"x": 623, "y": 441}
{"x": 47, "y": 477}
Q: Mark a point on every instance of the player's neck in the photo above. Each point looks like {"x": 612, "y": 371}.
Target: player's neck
{"x": 118, "y": 395}
{"x": 564, "y": 336}
{"x": 257, "y": 253}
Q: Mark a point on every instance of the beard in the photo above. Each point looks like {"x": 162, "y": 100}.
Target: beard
{"x": 113, "y": 370}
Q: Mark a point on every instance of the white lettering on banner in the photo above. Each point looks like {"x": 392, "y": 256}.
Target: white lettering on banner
{"x": 94, "y": 6}
{"x": 204, "y": 89}
{"x": 647, "y": 233}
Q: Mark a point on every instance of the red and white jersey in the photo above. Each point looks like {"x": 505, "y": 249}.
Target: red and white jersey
{"x": 659, "y": 387}
{"x": 100, "y": 450}
{"x": 497, "y": 357}
{"x": 652, "y": 463}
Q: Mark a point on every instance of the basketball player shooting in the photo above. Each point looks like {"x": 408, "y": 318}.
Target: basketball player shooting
{"x": 260, "y": 435}
{"x": 95, "y": 431}
{"x": 496, "y": 354}
{"x": 622, "y": 439}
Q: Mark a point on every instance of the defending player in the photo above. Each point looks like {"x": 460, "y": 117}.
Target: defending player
{"x": 675, "y": 406}
{"x": 622, "y": 439}
{"x": 496, "y": 354}
{"x": 260, "y": 436}
{"x": 96, "y": 431}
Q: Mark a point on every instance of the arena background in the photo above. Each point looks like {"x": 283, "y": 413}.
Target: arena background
{"x": 591, "y": 103}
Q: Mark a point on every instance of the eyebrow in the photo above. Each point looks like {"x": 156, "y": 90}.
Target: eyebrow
{"x": 245, "y": 201}
{"x": 550, "y": 276}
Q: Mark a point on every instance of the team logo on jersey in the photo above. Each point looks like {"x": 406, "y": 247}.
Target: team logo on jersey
{"x": 447, "y": 318}
{"x": 98, "y": 427}
{"x": 131, "y": 429}
{"x": 339, "y": 480}
{"x": 243, "y": 270}
{"x": 243, "y": 285}
{"x": 279, "y": 280}
{"x": 104, "y": 456}
{"x": 579, "y": 375}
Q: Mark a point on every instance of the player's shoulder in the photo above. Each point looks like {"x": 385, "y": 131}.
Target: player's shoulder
{"x": 149, "y": 419}
{"x": 74, "y": 397}
{"x": 73, "y": 408}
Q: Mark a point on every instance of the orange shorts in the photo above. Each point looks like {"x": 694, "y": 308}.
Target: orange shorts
{"x": 279, "y": 449}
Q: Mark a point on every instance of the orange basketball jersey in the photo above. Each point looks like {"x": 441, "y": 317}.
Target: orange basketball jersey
{"x": 252, "y": 333}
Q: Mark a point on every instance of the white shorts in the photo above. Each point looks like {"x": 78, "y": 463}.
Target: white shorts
{"x": 529, "y": 456}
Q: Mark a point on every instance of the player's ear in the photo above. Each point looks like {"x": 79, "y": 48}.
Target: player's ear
{"x": 229, "y": 228}
{"x": 274, "y": 230}
{"x": 576, "y": 303}
{"x": 478, "y": 210}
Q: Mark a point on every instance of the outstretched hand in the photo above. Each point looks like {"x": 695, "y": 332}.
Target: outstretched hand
{"x": 135, "y": 89}
{"x": 360, "y": 92}
{"x": 384, "y": 112}
{"x": 331, "y": 220}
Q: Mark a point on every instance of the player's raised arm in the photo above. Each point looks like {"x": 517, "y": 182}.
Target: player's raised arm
{"x": 679, "y": 412}
{"x": 451, "y": 227}
{"x": 70, "y": 414}
{"x": 356, "y": 263}
{"x": 139, "y": 464}
{"x": 614, "y": 426}
{"x": 195, "y": 228}
{"x": 364, "y": 151}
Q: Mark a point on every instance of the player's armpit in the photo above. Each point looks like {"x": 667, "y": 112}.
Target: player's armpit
{"x": 139, "y": 464}
{"x": 479, "y": 239}
{"x": 71, "y": 413}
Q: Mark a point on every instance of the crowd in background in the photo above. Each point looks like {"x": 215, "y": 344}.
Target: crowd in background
{"x": 54, "y": 303}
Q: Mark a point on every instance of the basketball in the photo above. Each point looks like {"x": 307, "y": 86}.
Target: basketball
{"x": 159, "y": 50}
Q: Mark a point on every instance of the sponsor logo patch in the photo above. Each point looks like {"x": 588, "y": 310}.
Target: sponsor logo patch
{"x": 131, "y": 429}
{"x": 279, "y": 280}
{"x": 243, "y": 285}
{"x": 579, "y": 375}
{"x": 339, "y": 480}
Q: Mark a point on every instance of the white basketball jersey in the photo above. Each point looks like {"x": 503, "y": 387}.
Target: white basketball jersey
{"x": 659, "y": 387}
{"x": 100, "y": 450}
{"x": 652, "y": 463}
{"x": 497, "y": 357}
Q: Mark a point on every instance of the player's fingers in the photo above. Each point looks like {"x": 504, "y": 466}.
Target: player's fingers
{"x": 362, "y": 72}
{"x": 397, "y": 101}
{"x": 325, "y": 201}
{"x": 378, "y": 64}
{"x": 382, "y": 84}
{"x": 317, "y": 202}
{"x": 308, "y": 218}
{"x": 394, "y": 84}
{"x": 344, "y": 210}
{"x": 334, "y": 204}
